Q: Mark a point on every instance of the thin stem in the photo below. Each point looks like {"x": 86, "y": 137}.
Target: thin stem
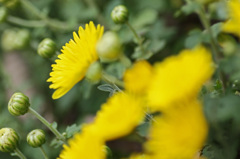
{"x": 125, "y": 60}
{"x": 112, "y": 80}
{"x": 45, "y": 122}
{"x": 215, "y": 52}
{"x": 25, "y": 23}
{"x": 43, "y": 152}
{"x": 19, "y": 154}
{"x": 136, "y": 36}
{"x": 50, "y": 22}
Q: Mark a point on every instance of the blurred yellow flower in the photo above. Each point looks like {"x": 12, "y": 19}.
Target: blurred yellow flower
{"x": 84, "y": 145}
{"x": 136, "y": 79}
{"x": 233, "y": 24}
{"x": 76, "y": 57}
{"x": 118, "y": 117}
{"x": 179, "y": 133}
{"x": 179, "y": 77}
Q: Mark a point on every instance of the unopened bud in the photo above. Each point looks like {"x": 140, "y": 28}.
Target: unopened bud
{"x": 8, "y": 140}
{"x": 94, "y": 72}
{"x": 36, "y": 138}
{"x": 47, "y": 48}
{"x": 18, "y": 104}
{"x": 15, "y": 39}
{"x": 109, "y": 47}
{"x": 119, "y": 14}
{"x": 3, "y": 14}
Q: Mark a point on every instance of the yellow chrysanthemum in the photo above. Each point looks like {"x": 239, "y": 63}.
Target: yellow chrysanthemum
{"x": 179, "y": 133}
{"x": 179, "y": 77}
{"x": 136, "y": 79}
{"x": 84, "y": 145}
{"x": 118, "y": 117}
{"x": 233, "y": 25}
{"x": 76, "y": 57}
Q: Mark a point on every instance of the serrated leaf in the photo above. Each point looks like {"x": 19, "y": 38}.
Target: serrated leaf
{"x": 71, "y": 130}
{"x": 55, "y": 143}
{"x": 190, "y": 7}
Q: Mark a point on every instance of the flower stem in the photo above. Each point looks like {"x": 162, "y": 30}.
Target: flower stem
{"x": 43, "y": 152}
{"x": 25, "y": 23}
{"x": 19, "y": 154}
{"x": 136, "y": 36}
{"x": 45, "y": 122}
{"x": 112, "y": 80}
{"x": 215, "y": 51}
{"x": 50, "y": 22}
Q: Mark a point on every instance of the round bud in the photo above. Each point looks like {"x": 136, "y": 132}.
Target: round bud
{"x": 18, "y": 104}
{"x": 109, "y": 47}
{"x": 8, "y": 140}
{"x": 15, "y": 39}
{"x": 47, "y": 48}
{"x": 119, "y": 14}
{"x": 3, "y": 14}
{"x": 36, "y": 138}
{"x": 94, "y": 72}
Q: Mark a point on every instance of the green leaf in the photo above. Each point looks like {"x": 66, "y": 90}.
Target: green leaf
{"x": 54, "y": 125}
{"x": 71, "y": 130}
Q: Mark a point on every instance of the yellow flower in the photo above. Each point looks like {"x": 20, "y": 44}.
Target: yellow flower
{"x": 76, "y": 57}
{"x": 179, "y": 77}
{"x": 136, "y": 79}
{"x": 179, "y": 133}
{"x": 233, "y": 25}
{"x": 118, "y": 117}
{"x": 84, "y": 145}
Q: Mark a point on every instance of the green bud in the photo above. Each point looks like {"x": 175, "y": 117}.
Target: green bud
{"x": 94, "y": 72}
{"x": 36, "y": 138}
{"x": 108, "y": 151}
{"x": 18, "y": 104}
{"x": 228, "y": 44}
{"x": 109, "y": 47}
{"x": 15, "y": 39}
{"x": 3, "y": 14}
{"x": 119, "y": 14}
{"x": 47, "y": 48}
{"x": 8, "y": 140}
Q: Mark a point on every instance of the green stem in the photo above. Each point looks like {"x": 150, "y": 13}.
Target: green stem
{"x": 25, "y": 23}
{"x": 50, "y": 22}
{"x": 136, "y": 36}
{"x": 125, "y": 60}
{"x": 19, "y": 154}
{"x": 45, "y": 122}
{"x": 112, "y": 80}
{"x": 43, "y": 152}
{"x": 215, "y": 51}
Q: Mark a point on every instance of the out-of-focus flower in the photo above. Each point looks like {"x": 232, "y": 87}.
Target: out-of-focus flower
{"x": 76, "y": 57}
{"x": 178, "y": 133}
{"x": 232, "y": 25}
{"x": 118, "y": 117}
{"x": 137, "y": 78}
{"x": 84, "y": 145}
{"x": 180, "y": 77}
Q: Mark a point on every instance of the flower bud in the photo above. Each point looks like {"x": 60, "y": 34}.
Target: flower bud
{"x": 15, "y": 39}
{"x": 47, "y": 48}
{"x": 36, "y": 138}
{"x": 8, "y": 140}
{"x": 94, "y": 72}
{"x": 18, "y": 104}
{"x": 3, "y": 14}
{"x": 109, "y": 47}
{"x": 119, "y": 14}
